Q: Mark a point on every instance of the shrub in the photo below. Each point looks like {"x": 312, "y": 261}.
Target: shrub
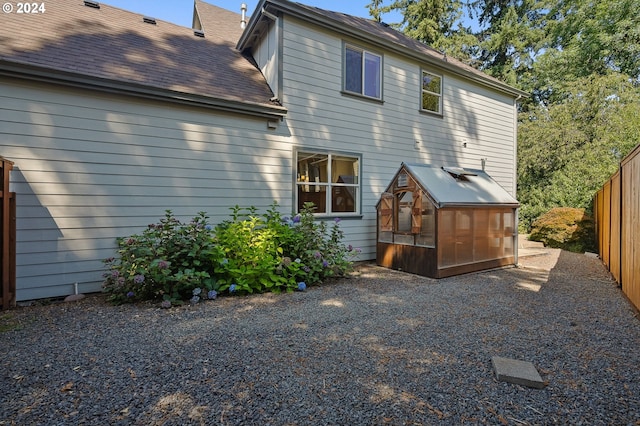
{"x": 320, "y": 249}
{"x": 276, "y": 253}
{"x": 249, "y": 253}
{"x": 564, "y": 227}
{"x": 168, "y": 260}
{"x": 250, "y": 257}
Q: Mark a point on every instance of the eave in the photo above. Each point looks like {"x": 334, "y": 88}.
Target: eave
{"x": 277, "y": 6}
{"x": 35, "y": 73}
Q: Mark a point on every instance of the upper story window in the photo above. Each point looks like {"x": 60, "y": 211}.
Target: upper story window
{"x": 362, "y": 72}
{"x": 431, "y": 92}
{"x": 331, "y": 181}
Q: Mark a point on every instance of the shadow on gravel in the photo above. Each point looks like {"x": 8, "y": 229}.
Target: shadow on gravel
{"x": 382, "y": 347}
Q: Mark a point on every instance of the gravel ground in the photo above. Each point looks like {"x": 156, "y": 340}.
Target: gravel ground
{"x": 382, "y": 347}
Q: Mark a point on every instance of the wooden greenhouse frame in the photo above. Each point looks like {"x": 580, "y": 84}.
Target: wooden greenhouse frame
{"x": 444, "y": 221}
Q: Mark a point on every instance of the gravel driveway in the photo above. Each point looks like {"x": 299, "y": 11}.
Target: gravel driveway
{"x": 383, "y": 347}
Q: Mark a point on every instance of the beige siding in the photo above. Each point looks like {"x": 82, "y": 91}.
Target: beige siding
{"x": 91, "y": 167}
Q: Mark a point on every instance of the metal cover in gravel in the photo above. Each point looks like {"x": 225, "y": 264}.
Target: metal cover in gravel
{"x": 518, "y": 372}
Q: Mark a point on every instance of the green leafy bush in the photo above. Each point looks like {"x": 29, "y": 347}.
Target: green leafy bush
{"x": 566, "y": 228}
{"x": 250, "y": 257}
{"x": 249, "y": 253}
{"x": 276, "y": 253}
{"x": 168, "y": 260}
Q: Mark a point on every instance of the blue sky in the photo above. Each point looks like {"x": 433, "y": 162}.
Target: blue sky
{"x": 181, "y": 11}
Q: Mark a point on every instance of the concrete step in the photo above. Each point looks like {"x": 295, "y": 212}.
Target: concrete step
{"x": 523, "y": 242}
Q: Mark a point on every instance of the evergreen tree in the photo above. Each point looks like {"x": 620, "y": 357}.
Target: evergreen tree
{"x": 579, "y": 59}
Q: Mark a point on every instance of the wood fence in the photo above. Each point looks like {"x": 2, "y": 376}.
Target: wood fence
{"x": 617, "y": 214}
{"x": 8, "y": 237}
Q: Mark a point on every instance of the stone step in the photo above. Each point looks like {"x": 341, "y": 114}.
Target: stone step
{"x": 517, "y": 372}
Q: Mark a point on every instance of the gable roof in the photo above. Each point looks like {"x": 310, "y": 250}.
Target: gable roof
{"x": 222, "y": 23}
{"x": 456, "y": 186}
{"x": 111, "y": 49}
{"x": 375, "y": 33}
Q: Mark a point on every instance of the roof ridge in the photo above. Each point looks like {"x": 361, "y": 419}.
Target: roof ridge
{"x": 208, "y": 13}
{"x": 130, "y": 12}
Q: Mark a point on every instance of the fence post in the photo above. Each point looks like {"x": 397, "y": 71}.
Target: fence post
{"x": 8, "y": 238}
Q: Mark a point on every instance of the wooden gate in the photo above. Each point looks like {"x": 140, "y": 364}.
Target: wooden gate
{"x": 8, "y": 232}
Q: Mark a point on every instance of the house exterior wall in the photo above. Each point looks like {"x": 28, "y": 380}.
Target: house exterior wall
{"x": 389, "y": 132}
{"x": 90, "y": 167}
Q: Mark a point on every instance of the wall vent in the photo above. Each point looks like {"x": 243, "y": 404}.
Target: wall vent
{"x": 148, "y": 20}
{"x": 93, "y": 4}
{"x": 198, "y": 33}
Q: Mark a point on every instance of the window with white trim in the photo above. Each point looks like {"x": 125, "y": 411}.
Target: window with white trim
{"x": 362, "y": 72}
{"x": 331, "y": 181}
{"x": 431, "y": 100}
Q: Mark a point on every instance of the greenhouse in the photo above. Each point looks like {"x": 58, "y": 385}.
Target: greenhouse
{"x": 443, "y": 221}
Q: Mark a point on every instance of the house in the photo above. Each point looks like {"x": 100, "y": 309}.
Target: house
{"x": 110, "y": 118}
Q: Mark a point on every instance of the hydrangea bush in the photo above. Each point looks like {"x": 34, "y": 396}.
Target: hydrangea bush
{"x": 317, "y": 246}
{"x": 168, "y": 260}
{"x": 176, "y": 262}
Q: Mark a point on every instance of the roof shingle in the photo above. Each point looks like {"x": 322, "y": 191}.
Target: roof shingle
{"x": 113, "y": 44}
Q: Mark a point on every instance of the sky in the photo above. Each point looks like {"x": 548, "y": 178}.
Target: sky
{"x": 181, "y": 11}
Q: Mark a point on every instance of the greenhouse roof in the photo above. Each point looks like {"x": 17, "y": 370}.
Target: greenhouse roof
{"x": 457, "y": 186}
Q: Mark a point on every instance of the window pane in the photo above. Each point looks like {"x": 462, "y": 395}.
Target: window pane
{"x": 430, "y": 102}
{"x": 464, "y": 237}
{"x": 494, "y": 221}
{"x": 406, "y": 239}
{"x": 317, "y": 196}
{"x": 344, "y": 199}
{"x": 312, "y": 167}
{"x": 509, "y": 222}
{"x": 353, "y": 70}
{"x": 405, "y": 202}
{"x": 372, "y": 75}
{"x": 427, "y": 235}
{"x": 431, "y": 82}
{"x": 463, "y": 222}
{"x": 508, "y": 246}
{"x": 431, "y": 92}
{"x": 344, "y": 169}
{"x": 385, "y": 237}
{"x": 446, "y": 238}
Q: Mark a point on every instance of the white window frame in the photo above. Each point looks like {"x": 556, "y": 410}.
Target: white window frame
{"x": 329, "y": 185}
{"x": 364, "y": 52}
{"x": 423, "y": 91}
